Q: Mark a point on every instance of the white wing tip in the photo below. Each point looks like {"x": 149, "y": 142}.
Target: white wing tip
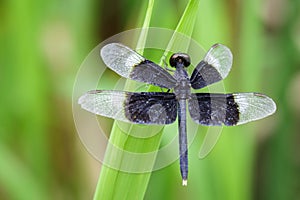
{"x": 106, "y": 48}
{"x": 184, "y": 182}
{"x": 220, "y": 57}
{"x": 81, "y": 99}
{"x": 261, "y": 107}
{"x": 271, "y": 103}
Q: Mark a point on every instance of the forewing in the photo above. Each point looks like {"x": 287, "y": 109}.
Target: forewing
{"x": 214, "y": 67}
{"x": 129, "y": 64}
{"x": 139, "y": 108}
{"x": 229, "y": 109}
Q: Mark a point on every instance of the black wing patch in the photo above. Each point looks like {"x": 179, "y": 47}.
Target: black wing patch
{"x": 151, "y": 107}
{"x": 229, "y": 109}
{"x": 214, "y": 109}
{"x": 139, "y": 108}
{"x": 129, "y": 64}
{"x": 204, "y": 74}
{"x": 151, "y": 73}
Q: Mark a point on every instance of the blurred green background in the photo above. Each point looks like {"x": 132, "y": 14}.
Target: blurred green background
{"x": 42, "y": 46}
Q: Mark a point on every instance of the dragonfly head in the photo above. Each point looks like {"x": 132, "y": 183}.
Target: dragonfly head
{"x": 178, "y": 59}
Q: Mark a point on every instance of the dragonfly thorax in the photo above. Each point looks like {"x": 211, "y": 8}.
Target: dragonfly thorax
{"x": 182, "y": 89}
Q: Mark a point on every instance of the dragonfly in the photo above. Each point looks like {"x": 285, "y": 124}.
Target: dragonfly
{"x": 162, "y": 108}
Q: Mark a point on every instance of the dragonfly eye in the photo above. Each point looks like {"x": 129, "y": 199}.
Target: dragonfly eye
{"x": 180, "y": 58}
